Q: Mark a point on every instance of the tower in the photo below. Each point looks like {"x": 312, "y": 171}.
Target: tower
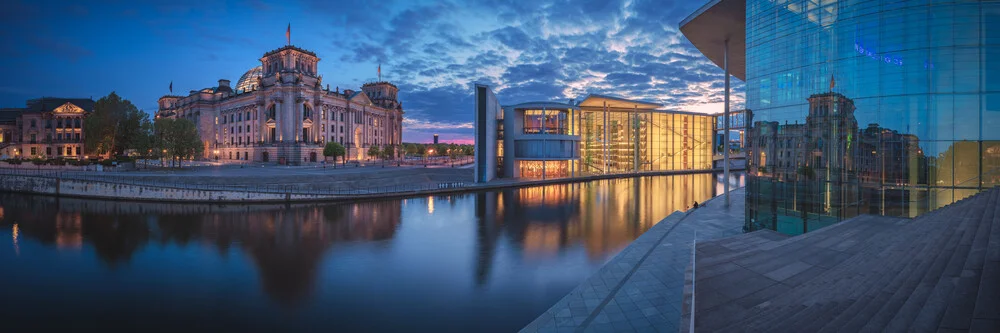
{"x": 383, "y": 94}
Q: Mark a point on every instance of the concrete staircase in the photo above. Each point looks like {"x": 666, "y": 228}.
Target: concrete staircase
{"x": 937, "y": 272}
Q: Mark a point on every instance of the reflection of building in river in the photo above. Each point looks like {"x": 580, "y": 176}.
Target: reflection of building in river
{"x": 601, "y": 217}
{"x": 286, "y": 244}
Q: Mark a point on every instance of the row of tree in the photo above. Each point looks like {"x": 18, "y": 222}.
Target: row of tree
{"x": 441, "y": 149}
{"x": 118, "y": 128}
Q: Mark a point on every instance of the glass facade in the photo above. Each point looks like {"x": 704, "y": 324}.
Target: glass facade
{"x": 869, "y": 107}
{"x": 629, "y": 141}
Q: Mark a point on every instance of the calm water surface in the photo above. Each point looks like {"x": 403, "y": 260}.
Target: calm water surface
{"x": 487, "y": 261}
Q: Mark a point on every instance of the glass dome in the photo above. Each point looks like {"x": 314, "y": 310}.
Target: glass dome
{"x": 248, "y": 81}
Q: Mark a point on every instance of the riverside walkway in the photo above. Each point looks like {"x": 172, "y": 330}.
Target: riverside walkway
{"x": 641, "y": 288}
{"x": 938, "y": 272}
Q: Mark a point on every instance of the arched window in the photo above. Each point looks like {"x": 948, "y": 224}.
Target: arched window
{"x": 271, "y": 112}
{"x": 306, "y": 111}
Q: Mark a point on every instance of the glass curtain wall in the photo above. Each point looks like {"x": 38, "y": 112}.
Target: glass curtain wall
{"x": 631, "y": 141}
{"x": 869, "y": 107}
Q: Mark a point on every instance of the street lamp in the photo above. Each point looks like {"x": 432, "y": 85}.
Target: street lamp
{"x": 216, "y": 154}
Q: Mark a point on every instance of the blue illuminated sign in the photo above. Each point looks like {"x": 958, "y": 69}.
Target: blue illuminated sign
{"x": 874, "y": 55}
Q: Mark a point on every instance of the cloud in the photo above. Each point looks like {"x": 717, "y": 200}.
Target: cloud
{"x": 434, "y": 50}
{"x": 58, "y": 48}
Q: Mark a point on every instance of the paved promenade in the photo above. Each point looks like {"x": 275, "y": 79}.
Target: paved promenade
{"x": 938, "y": 272}
{"x": 641, "y": 289}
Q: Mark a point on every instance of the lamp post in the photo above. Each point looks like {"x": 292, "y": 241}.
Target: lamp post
{"x": 216, "y": 155}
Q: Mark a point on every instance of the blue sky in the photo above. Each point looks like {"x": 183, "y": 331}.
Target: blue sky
{"x": 433, "y": 50}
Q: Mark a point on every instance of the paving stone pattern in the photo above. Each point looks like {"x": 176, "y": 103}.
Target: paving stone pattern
{"x": 937, "y": 272}
{"x": 640, "y": 289}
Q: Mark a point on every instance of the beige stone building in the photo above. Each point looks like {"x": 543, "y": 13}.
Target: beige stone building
{"x": 46, "y": 127}
{"x": 281, "y": 112}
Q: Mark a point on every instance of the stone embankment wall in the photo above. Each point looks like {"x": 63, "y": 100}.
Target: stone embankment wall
{"x": 106, "y": 190}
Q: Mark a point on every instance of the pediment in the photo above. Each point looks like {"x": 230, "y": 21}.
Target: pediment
{"x": 361, "y": 98}
{"x": 68, "y": 108}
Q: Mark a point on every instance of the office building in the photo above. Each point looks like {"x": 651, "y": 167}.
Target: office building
{"x": 922, "y": 76}
{"x": 598, "y": 135}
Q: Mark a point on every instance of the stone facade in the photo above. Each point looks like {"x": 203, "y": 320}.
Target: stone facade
{"x": 286, "y": 115}
{"x": 47, "y": 127}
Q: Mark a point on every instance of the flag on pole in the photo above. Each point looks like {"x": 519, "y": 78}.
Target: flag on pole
{"x": 832, "y": 82}
{"x": 380, "y": 72}
{"x": 288, "y": 34}
{"x": 171, "y": 86}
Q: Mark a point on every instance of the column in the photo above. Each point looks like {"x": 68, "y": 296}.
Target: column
{"x": 725, "y": 122}
{"x": 635, "y": 131}
{"x": 299, "y": 112}
{"x": 261, "y": 122}
{"x": 281, "y": 120}
{"x": 606, "y": 141}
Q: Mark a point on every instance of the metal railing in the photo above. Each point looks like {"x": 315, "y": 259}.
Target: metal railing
{"x": 313, "y": 189}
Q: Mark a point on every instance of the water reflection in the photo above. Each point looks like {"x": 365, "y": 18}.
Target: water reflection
{"x": 481, "y": 261}
{"x": 808, "y": 175}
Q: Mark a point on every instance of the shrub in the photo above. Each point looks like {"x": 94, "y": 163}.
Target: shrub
{"x": 14, "y": 161}
{"x": 106, "y": 163}
{"x": 37, "y": 161}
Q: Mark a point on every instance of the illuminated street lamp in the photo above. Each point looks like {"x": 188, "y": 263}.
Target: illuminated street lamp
{"x": 216, "y": 154}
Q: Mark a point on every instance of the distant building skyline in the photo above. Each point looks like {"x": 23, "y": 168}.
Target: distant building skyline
{"x": 434, "y": 51}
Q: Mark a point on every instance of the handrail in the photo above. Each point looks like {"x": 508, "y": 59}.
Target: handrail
{"x": 331, "y": 190}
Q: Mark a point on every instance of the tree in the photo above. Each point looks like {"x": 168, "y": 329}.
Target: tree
{"x": 115, "y": 125}
{"x": 410, "y": 148}
{"x": 178, "y": 137}
{"x": 334, "y": 149}
{"x": 373, "y": 151}
{"x": 389, "y": 151}
{"x": 453, "y": 151}
{"x": 419, "y": 149}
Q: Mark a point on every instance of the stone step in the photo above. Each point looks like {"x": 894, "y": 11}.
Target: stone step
{"x": 865, "y": 308}
{"x": 955, "y": 310}
{"x": 856, "y": 222}
{"x": 864, "y": 274}
{"x": 795, "y": 249}
{"x": 987, "y": 308}
{"x": 847, "y": 282}
{"x": 951, "y": 253}
{"x": 850, "y": 285}
{"x": 901, "y": 263}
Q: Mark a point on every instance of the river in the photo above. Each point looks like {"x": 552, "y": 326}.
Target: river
{"x": 481, "y": 261}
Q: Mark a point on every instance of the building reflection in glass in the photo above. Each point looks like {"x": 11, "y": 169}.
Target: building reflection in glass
{"x": 516, "y": 249}
{"x": 808, "y": 175}
{"x": 869, "y": 107}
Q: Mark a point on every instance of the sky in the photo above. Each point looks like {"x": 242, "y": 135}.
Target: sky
{"x": 434, "y": 51}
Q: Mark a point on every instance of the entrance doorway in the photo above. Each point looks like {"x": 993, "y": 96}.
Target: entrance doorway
{"x": 263, "y": 156}
{"x": 312, "y": 157}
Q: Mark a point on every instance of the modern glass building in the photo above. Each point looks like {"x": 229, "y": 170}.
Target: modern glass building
{"x": 860, "y": 106}
{"x": 598, "y": 135}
